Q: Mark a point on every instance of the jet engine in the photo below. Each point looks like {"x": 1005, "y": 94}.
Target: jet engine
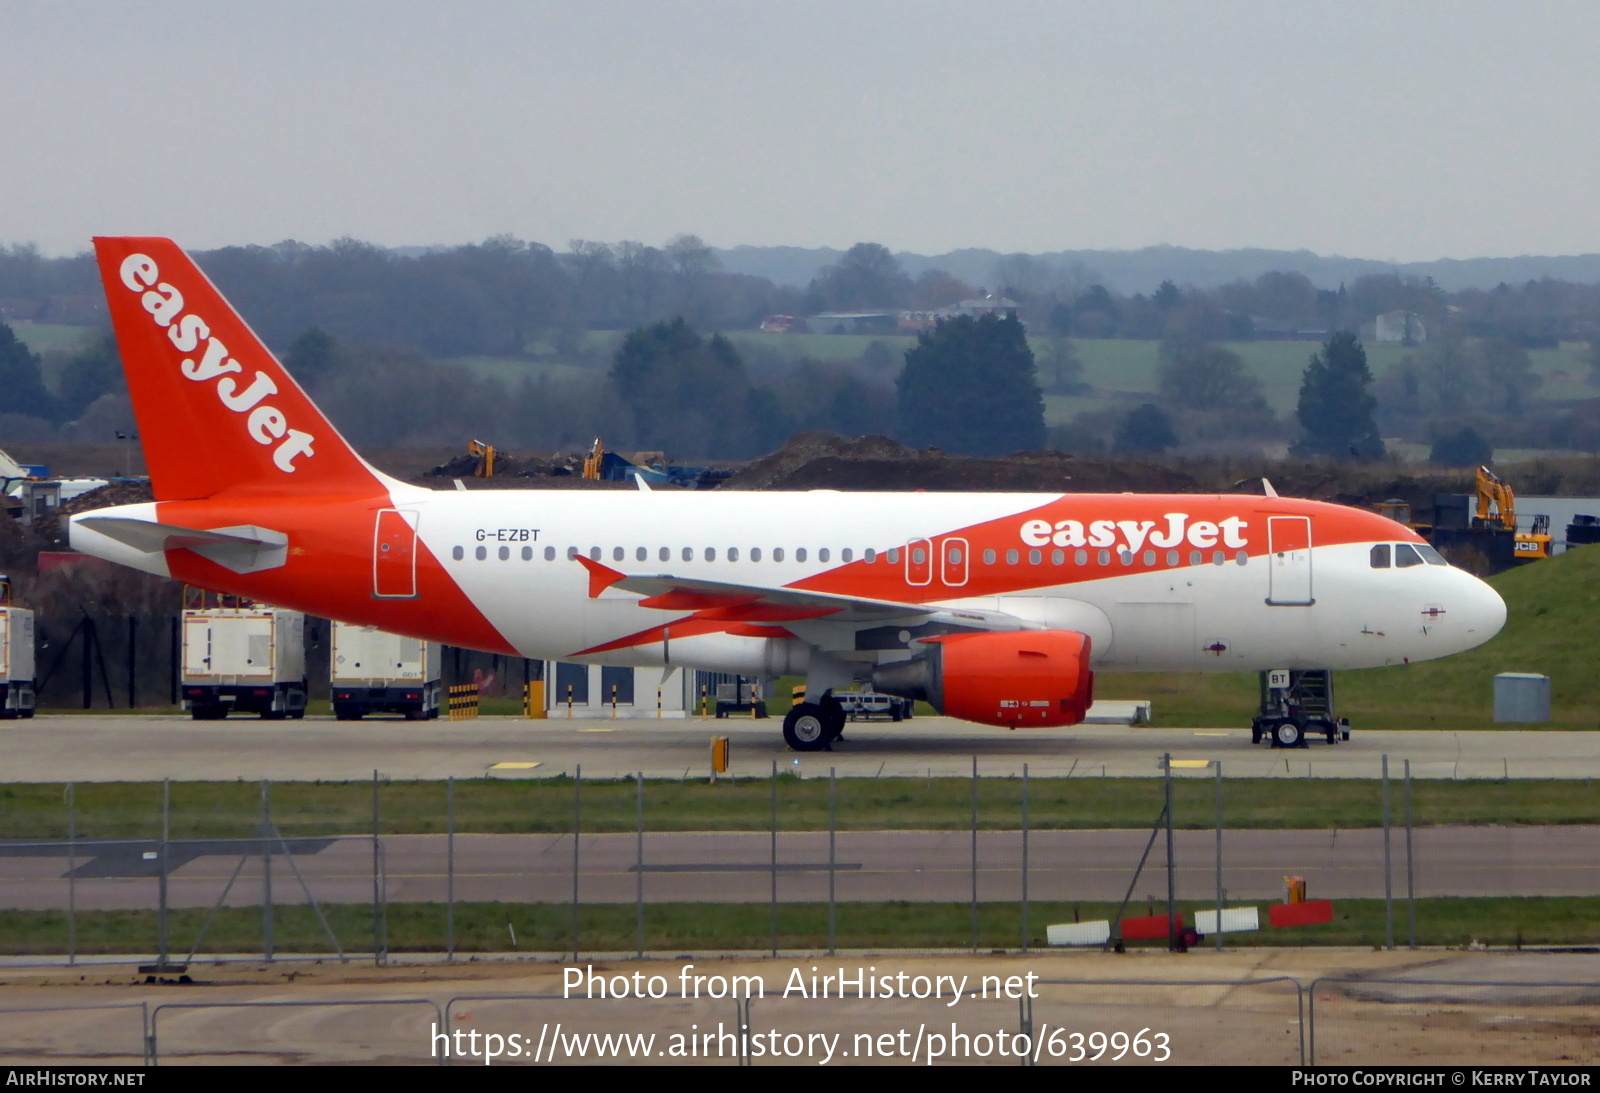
{"x": 1018, "y": 679}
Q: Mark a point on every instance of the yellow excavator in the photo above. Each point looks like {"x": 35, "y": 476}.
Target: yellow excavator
{"x": 1497, "y": 506}
{"x": 484, "y": 454}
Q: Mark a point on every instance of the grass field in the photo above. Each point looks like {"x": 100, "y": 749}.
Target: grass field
{"x": 1552, "y": 627}
{"x": 691, "y": 927}
{"x": 302, "y": 809}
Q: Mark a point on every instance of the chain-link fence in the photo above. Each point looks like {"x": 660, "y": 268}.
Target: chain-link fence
{"x": 165, "y": 874}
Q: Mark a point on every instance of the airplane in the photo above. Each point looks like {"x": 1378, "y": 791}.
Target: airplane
{"x": 996, "y": 608}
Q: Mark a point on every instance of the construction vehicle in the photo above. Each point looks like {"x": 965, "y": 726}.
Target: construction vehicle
{"x": 16, "y": 656}
{"x": 241, "y": 656}
{"x": 648, "y": 468}
{"x": 1497, "y": 507}
{"x": 484, "y": 454}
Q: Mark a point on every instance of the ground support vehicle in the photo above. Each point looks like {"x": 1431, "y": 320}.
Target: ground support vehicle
{"x": 869, "y": 706}
{"x": 245, "y": 659}
{"x": 16, "y": 661}
{"x": 1296, "y": 704}
{"x": 377, "y": 672}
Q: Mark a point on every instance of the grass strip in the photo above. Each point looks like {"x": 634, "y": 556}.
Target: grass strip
{"x": 698, "y": 928}
{"x": 114, "y": 810}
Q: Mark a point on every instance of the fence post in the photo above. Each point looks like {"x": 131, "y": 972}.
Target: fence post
{"x": 266, "y": 870}
{"x": 1411, "y": 878}
{"x": 450, "y": 870}
{"x": 577, "y": 827}
{"x": 1024, "y": 857}
{"x": 1219, "y": 855}
{"x": 832, "y": 830}
{"x": 1174, "y": 942}
{"x": 974, "y": 853}
{"x": 774, "y": 857}
{"x": 1388, "y": 887}
{"x": 72, "y": 878}
{"x": 161, "y": 893}
{"x": 377, "y": 892}
{"x": 638, "y": 872}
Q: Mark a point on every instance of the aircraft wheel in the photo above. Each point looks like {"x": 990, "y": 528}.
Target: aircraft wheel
{"x": 833, "y": 711}
{"x": 805, "y": 728}
{"x": 1288, "y": 734}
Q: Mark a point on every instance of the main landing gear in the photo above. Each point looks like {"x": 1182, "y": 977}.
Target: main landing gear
{"x": 814, "y": 726}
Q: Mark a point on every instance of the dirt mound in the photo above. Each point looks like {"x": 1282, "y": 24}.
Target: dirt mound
{"x": 117, "y": 493}
{"x": 815, "y": 461}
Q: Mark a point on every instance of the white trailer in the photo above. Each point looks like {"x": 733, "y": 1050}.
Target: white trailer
{"x": 374, "y": 671}
{"x": 249, "y": 659}
{"x": 16, "y": 662}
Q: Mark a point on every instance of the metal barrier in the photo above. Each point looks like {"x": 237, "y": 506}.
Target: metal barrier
{"x": 321, "y": 1027}
{"x": 16, "y": 1053}
{"x": 1414, "y": 1021}
{"x": 463, "y": 701}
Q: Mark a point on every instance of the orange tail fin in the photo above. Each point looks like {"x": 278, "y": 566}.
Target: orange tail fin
{"x": 217, "y": 413}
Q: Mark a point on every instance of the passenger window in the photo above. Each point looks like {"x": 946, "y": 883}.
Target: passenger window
{"x": 918, "y": 556}
{"x": 1172, "y": 557}
{"x": 549, "y": 554}
{"x": 572, "y": 552}
{"x": 1195, "y": 557}
{"x": 1243, "y": 558}
{"x": 1218, "y": 557}
{"x": 1126, "y": 557}
{"x": 755, "y": 554}
{"x": 711, "y": 554}
{"x": 481, "y": 553}
{"x": 505, "y": 554}
{"x": 894, "y": 555}
{"x": 457, "y": 553}
{"x": 954, "y": 555}
{"x": 1380, "y": 556}
{"x": 665, "y": 554}
{"x": 594, "y": 554}
{"x": 617, "y": 554}
{"x": 1035, "y": 557}
{"x": 527, "y": 554}
{"x": 845, "y": 554}
{"x": 1058, "y": 557}
{"x": 733, "y": 554}
{"x": 1149, "y": 557}
{"x": 1105, "y": 557}
{"x": 777, "y": 554}
{"x": 822, "y": 555}
{"x": 1081, "y": 558}
{"x": 1429, "y": 555}
{"x": 800, "y": 554}
{"x": 1012, "y": 557}
{"x": 988, "y": 557}
{"x": 1405, "y": 557}
{"x": 870, "y": 557}
{"x": 688, "y": 554}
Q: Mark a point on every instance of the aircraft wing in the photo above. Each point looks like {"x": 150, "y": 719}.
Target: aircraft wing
{"x": 710, "y": 599}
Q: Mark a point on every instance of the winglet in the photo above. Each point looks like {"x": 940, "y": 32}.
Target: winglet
{"x": 601, "y": 577}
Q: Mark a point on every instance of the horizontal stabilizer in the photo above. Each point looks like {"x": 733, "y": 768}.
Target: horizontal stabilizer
{"x": 243, "y": 549}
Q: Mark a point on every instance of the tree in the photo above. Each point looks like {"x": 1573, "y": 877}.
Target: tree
{"x": 1145, "y": 429}
{"x": 312, "y": 357}
{"x": 687, "y": 395}
{"x": 1335, "y": 408}
{"x": 1466, "y": 447}
{"x": 1198, "y": 375}
{"x": 866, "y": 277}
{"x": 968, "y": 386}
{"x": 21, "y": 387}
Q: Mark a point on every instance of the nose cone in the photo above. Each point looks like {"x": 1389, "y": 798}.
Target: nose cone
{"x": 1481, "y": 611}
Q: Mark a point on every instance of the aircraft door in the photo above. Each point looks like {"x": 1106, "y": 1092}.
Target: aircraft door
{"x": 919, "y": 562}
{"x": 394, "y": 555}
{"x": 953, "y": 562}
{"x": 1289, "y": 561}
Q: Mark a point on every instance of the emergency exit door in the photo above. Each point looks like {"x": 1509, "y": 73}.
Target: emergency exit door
{"x": 1289, "y": 561}
{"x": 394, "y": 555}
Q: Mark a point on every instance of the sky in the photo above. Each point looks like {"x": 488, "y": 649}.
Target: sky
{"x": 1392, "y": 131}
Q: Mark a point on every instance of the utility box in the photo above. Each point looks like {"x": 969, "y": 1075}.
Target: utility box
{"x": 1521, "y": 698}
{"x": 245, "y": 659}
{"x": 378, "y": 672}
{"x": 16, "y": 663}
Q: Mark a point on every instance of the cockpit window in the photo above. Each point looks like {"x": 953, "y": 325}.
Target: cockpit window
{"x": 1406, "y": 555}
{"x": 1380, "y": 556}
{"x": 1431, "y": 556}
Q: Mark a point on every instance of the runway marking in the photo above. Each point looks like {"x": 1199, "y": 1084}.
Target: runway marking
{"x": 515, "y": 766}
{"x": 1190, "y": 764}
{"x": 1214, "y": 734}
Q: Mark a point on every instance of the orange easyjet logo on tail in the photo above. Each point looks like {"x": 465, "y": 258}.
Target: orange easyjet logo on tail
{"x": 264, "y": 422}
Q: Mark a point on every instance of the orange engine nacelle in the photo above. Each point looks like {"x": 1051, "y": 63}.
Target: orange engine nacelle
{"x": 1018, "y": 679}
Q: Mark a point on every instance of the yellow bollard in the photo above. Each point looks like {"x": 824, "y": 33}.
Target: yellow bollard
{"x": 702, "y": 701}
{"x": 533, "y": 700}
{"x": 719, "y": 756}
{"x": 569, "y": 702}
{"x": 613, "y": 702}
{"x": 658, "y": 703}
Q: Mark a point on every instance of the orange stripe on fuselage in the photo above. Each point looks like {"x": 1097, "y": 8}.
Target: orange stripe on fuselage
{"x": 329, "y": 568}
